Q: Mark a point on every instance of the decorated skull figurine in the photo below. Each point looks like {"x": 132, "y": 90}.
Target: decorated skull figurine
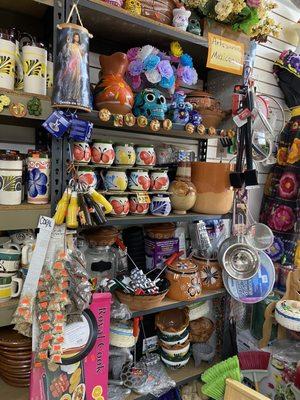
{"x": 195, "y": 118}
{"x": 181, "y": 18}
{"x": 150, "y": 103}
{"x": 179, "y": 108}
{"x": 194, "y": 25}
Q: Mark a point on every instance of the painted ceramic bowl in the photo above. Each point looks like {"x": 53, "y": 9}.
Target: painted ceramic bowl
{"x": 172, "y": 322}
{"x": 175, "y": 362}
{"x": 160, "y": 205}
{"x": 120, "y": 205}
{"x": 174, "y": 339}
{"x": 176, "y": 350}
{"x": 287, "y": 314}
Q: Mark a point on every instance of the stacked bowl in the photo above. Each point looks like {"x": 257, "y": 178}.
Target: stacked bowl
{"x": 173, "y": 336}
{"x": 15, "y": 358}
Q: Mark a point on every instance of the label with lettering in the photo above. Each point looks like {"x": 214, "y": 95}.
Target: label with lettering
{"x": 225, "y": 54}
{"x": 143, "y": 198}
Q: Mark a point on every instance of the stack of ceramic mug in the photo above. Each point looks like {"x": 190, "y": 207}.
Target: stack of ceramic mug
{"x": 10, "y": 283}
{"x": 15, "y": 358}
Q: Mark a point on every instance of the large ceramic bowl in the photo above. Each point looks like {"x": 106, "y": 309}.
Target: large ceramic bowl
{"x": 172, "y": 322}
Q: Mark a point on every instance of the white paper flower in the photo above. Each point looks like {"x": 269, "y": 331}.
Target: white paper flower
{"x": 153, "y": 76}
{"x": 145, "y": 52}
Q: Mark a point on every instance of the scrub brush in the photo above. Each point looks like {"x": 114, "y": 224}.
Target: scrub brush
{"x": 255, "y": 365}
{"x": 216, "y": 388}
{"x": 223, "y": 367}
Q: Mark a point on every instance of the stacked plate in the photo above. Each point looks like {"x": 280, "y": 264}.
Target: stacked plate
{"x": 15, "y": 358}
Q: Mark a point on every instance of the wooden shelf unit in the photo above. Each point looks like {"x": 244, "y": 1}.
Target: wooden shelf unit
{"x": 22, "y": 216}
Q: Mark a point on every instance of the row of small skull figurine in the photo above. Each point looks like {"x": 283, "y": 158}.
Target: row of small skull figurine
{"x": 186, "y": 20}
{"x": 152, "y": 104}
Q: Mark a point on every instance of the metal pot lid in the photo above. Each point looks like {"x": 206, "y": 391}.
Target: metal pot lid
{"x": 240, "y": 261}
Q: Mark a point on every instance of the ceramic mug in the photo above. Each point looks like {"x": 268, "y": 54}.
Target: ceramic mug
{"x": 10, "y": 286}
{"x": 11, "y": 182}
{"x": 145, "y": 155}
{"x": 160, "y": 205}
{"x": 137, "y": 208}
{"x": 159, "y": 180}
{"x": 120, "y": 205}
{"x": 88, "y": 176}
{"x": 35, "y": 69}
{"x": 9, "y": 259}
{"x": 81, "y": 152}
{"x": 103, "y": 153}
{"x": 7, "y": 70}
{"x": 125, "y": 154}
{"x": 139, "y": 180}
{"x": 38, "y": 171}
{"x": 21, "y": 237}
{"x": 115, "y": 180}
{"x": 26, "y": 254}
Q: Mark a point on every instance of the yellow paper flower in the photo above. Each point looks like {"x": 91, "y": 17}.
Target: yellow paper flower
{"x": 176, "y": 49}
{"x": 223, "y": 9}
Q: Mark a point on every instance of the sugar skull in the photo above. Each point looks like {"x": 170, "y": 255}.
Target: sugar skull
{"x": 180, "y": 109}
{"x": 194, "y": 25}
{"x": 150, "y": 103}
{"x": 133, "y": 6}
{"x": 181, "y": 18}
{"x": 195, "y": 118}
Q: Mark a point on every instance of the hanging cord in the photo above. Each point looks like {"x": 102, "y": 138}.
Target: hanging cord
{"x": 74, "y": 7}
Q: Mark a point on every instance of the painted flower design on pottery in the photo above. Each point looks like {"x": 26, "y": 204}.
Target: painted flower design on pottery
{"x": 294, "y": 153}
{"x": 288, "y": 186}
{"x": 282, "y": 219}
{"x": 282, "y": 156}
{"x": 195, "y": 287}
{"x": 210, "y": 275}
{"x": 37, "y": 183}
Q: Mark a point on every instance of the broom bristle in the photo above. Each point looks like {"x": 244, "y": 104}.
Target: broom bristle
{"x": 254, "y": 360}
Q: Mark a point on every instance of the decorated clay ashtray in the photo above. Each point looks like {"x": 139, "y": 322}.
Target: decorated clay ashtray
{"x": 287, "y": 314}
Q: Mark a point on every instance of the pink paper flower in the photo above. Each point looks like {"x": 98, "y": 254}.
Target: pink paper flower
{"x": 253, "y": 3}
{"x": 282, "y": 219}
{"x": 132, "y": 53}
{"x": 288, "y": 186}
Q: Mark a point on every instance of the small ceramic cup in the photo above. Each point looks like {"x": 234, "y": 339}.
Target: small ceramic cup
{"x": 120, "y": 205}
{"x": 88, "y": 176}
{"x": 125, "y": 154}
{"x": 160, "y": 205}
{"x": 103, "y": 153}
{"x": 10, "y": 286}
{"x": 145, "y": 155}
{"x": 137, "y": 208}
{"x": 139, "y": 180}
{"x": 159, "y": 180}
{"x": 9, "y": 259}
{"x": 81, "y": 152}
{"x": 115, "y": 180}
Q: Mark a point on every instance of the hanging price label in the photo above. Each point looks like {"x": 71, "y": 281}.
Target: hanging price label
{"x": 46, "y": 223}
{"x": 143, "y": 198}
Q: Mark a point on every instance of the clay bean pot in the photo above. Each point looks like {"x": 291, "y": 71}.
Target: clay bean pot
{"x": 214, "y": 193}
{"x": 210, "y": 273}
{"x": 208, "y": 107}
{"x": 172, "y": 322}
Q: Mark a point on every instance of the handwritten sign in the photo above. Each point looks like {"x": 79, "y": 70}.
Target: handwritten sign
{"x": 225, "y": 54}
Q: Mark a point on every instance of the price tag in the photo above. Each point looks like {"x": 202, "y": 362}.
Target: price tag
{"x": 46, "y": 223}
{"x": 143, "y": 198}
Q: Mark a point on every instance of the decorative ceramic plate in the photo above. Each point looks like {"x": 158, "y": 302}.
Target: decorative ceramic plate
{"x": 287, "y": 314}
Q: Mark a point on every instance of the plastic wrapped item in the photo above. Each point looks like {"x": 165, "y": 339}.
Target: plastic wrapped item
{"x": 120, "y": 311}
{"x": 202, "y": 352}
{"x": 158, "y": 381}
{"x": 117, "y": 358}
{"x": 117, "y": 392}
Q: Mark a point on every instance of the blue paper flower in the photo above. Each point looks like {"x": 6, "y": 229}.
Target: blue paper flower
{"x": 167, "y": 83}
{"x": 186, "y": 60}
{"x": 37, "y": 183}
{"x": 151, "y": 62}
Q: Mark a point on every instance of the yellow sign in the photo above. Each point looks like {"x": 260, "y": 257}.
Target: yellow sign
{"x": 143, "y": 198}
{"x": 225, "y": 54}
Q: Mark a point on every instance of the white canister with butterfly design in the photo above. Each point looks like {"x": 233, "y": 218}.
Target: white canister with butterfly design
{"x": 11, "y": 182}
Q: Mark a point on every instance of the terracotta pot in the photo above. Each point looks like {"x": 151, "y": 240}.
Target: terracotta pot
{"x": 112, "y": 92}
{"x": 201, "y": 330}
{"x": 214, "y": 193}
{"x": 183, "y": 195}
{"x": 211, "y": 118}
{"x": 207, "y": 106}
{"x": 172, "y": 322}
{"x": 161, "y": 231}
{"x": 184, "y": 278}
{"x": 210, "y": 273}
{"x": 102, "y": 236}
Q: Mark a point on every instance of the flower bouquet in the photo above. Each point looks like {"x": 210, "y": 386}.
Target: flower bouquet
{"x": 248, "y": 16}
{"x": 148, "y": 66}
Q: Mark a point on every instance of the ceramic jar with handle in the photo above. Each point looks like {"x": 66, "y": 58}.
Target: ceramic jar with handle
{"x": 38, "y": 171}
{"x": 125, "y": 154}
{"x": 120, "y": 205}
{"x": 103, "y": 153}
{"x": 145, "y": 155}
{"x": 7, "y": 63}
{"x": 11, "y": 170}
{"x": 139, "y": 180}
{"x": 81, "y": 152}
{"x": 159, "y": 180}
{"x": 88, "y": 176}
{"x": 160, "y": 205}
{"x": 115, "y": 180}
{"x": 10, "y": 258}
{"x": 10, "y": 286}
{"x": 184, "y": 278}
{"x": 136, "y": 207}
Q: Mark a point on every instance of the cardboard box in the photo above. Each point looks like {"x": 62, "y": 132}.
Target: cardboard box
{"x": 157, "y": 251}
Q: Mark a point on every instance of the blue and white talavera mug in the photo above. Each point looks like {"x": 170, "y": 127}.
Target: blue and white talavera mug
{"x": 160, "y": 205}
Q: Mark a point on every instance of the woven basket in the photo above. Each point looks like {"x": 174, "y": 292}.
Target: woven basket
{"x": 144, "y": 302}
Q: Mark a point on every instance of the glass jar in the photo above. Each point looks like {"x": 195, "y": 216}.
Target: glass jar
{"x": 102, "y": 262}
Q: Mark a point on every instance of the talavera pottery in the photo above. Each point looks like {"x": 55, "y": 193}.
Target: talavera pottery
{"x": 9, "y": 259}
{"x": 10, "y": 181}
{"x": 287, "y": 314}
{"x": 176, "y": 350}
{"x": 145, "y": 155}
{"x": 214, "y": 193}
{"x": 255, "y": 289}
{"x": 184, "y": 278}
{"x": 81, "y": 152}
{"x": 139, "y": 180}
{"x": 173, "y": 339}
{"x": 137, "y": 208}
{"x": 175, "y": 363}
{"x": 184, "y": 194}
{"x": 38, "y": 172}
{"x": 172, "y": 322}
{"x": 34, "y": 67}
{"x": 88, "y": 176}
{"x": 103, "y": 153}
{"x": 125, "y": 154}
{"x": 115, "y": 180}
{"x": 210, "y": 273}
{"x": 112, "y": 92}
{"x": 120, "y": 205}
{"x": 7, "y": 52}
{"x": 150, "y": 103}
{"x": 10, "y": 286}
{"x": 160, "y": 205}
{"x": 159, "y": 180}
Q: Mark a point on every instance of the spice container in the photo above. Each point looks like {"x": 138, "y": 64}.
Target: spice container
{"x": 38, "y": 169}
{"x": 11, "y": 169}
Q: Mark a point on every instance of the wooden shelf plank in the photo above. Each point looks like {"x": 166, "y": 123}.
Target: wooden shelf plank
{"x": 23, "y": 216}
{"x": 168, "y": 304}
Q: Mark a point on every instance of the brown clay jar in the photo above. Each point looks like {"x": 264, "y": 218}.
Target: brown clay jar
{"x": 210, "y": 273}
{"x": 207, "y": 106}
{"x": 183, "y": 191}
{"x": 214, "y": 193}
{"x": 184, "y": 278}
{"x": 105, "y": 236}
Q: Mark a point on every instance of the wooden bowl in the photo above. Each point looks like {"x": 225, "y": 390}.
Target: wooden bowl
{"x": 144, "y": 302}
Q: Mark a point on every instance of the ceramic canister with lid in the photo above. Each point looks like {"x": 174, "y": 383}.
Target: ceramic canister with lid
{"x": 11, "y": 169}
{"x": 160, "y": 205}
{"x": 38, "y": 173}
{"x": 139, "y": 180}
{"x": 184, "y": 278}
{"x": 159, "y": 180}
{"x": 145, "y": 155}
{"x": 7, "y": 53}
{"x": 35, "y": 69}
{"x": 103, "y": 153}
